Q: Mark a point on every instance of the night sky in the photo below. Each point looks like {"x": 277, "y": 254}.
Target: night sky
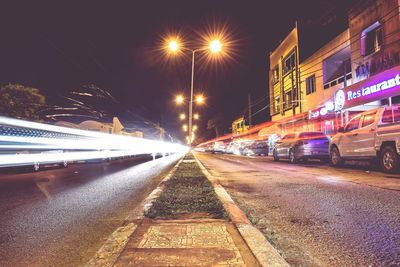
{"x": 58, "y": 48}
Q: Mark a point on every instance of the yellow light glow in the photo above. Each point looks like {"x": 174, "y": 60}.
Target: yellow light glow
{"x": 185, "y": 128}
{"x": 173, "y": 45}
{"x": 194, "y": 128}
{"x": 200, "y": 99}
{"x": 215, "y": 46}
{"x": 196, "y": 116}
{"x": 179, "y": 99}
{"x": 182, "y": 116}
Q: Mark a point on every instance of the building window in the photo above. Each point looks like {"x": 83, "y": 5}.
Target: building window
{"x": 288, "y": 99}
{"x": 277, "y": 104}
{"x": 337, "y": 68}
{"x": 310, "y": 85}
{"x": 371, "y": 39}
{"x": 275, "y": 74}
{"x": 289, "y": 63}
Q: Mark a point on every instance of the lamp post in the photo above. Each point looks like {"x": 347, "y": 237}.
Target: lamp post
{"x": 215, "y": 46}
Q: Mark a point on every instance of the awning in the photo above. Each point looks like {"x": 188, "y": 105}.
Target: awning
{"x": 270, "y": 130}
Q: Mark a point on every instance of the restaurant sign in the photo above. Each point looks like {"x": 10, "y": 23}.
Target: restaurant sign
{"x": 380, "y": 86}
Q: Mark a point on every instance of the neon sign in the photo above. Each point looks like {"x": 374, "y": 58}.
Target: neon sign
{"x": 378, "y": 87}
{"x": 373, "y": 89}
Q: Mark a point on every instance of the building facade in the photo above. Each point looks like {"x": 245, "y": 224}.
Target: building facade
{"x": 356, "y": 71}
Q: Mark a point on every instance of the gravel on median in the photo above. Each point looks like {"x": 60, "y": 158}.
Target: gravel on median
{"x": 187, "y": 194}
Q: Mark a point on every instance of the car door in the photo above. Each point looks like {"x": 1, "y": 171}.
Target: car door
{"x": 286, "y": 144}
{"x": 346, "y": 144}
{"x": 280, "y": 146}
{"x": 364, "y": 141}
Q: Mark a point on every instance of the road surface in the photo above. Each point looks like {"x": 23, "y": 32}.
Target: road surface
{"x": 60, "y": 217}
{"x": 316, "y": 215}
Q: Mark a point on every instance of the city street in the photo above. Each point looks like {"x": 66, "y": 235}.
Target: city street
{"x": 61, "y": 216}
{"x": 316, "y": 215}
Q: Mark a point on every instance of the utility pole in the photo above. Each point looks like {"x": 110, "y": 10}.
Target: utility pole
{"x": 249, "y": 102}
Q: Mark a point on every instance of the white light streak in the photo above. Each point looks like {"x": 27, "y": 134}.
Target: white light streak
{"x": 74, "y": 145}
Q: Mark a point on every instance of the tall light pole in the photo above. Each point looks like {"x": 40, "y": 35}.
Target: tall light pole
{"x": 215, "y": 46}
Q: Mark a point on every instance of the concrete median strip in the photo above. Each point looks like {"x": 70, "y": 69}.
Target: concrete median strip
{"x": 188, "y": 237}
{"x": 264, "y": 252}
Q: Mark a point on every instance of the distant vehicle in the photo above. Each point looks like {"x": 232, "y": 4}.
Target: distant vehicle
{"x": 219, "y": 147}
{"x": 302, "y": 146}
{"x": 371, "y": 135}
{"x": 256, "y": 148}
{"x": 233, "y": 148}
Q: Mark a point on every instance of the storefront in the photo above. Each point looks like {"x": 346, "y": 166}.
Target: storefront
{"x": 323, "y": 119}
{"x": 376, "y": 91}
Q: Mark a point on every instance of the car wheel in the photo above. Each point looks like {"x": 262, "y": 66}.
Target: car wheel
{"x": 336, "y": 159}
{"x": 292, "y": 156}
{"x": 389, "y": 160}
{"x": 275, "y": 155}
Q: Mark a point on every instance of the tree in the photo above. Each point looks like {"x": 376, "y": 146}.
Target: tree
{"x": 20, "y": 101}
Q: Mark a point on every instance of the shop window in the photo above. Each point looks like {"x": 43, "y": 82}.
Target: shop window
{"x": 275, "y": 74}
{"x": 289, "y": 63}
{"x": 353, "y": 124}
{"x": 368, "y": 119}
{"x": 310, "y": 85}
{"x": 371, "y": 39}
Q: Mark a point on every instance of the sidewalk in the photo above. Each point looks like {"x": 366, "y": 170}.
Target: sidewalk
{"x": 186, "y": 225}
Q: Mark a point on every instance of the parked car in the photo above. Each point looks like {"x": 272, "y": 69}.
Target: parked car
{"x": 256, "y": 148}
{"x": 302, "y": 146}
{"x": 233, "y": 148}
{"x": 370, "y": 135}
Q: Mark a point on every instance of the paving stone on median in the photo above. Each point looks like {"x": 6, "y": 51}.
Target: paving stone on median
{"x": 186, "y": 244}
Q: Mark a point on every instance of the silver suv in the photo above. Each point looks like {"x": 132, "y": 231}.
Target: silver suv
{"x": 370, "y": 135}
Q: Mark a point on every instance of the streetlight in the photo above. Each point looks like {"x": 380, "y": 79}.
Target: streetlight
{"x": 200, "y": 99}
{"x": 182, "y": 116}
{"x": 196, "y": 116}
{"x": 215, "y": 46}
{"x": 179, "y": 99}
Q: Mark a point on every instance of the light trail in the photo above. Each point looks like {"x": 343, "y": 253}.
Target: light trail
{"x": 29, "y": 143}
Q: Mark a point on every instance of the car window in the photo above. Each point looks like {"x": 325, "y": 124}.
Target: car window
{"x": 312, "y": 135}
{"x": 353, "y": 124}
{"x": 368, "y": 119}
{"x": 387, "y": 116}
{"x": 396, "y": 113}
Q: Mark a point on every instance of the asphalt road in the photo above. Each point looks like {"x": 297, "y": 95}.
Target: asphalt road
{"x": 316, "y": 215}
{"x": 61, "y": 217}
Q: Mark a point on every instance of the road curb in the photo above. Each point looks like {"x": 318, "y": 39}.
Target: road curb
{"x": 264, "y": 252}
{"x": 107, "y": 255}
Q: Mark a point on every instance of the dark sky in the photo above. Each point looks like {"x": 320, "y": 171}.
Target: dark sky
{"x": 59, "y": 47}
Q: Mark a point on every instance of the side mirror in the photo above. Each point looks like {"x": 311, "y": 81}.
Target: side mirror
{"x": 341, "y": 130}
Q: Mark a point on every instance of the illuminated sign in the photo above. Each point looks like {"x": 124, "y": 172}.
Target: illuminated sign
{"x": 322, "y": 111}
{"x": 375, "y": 88}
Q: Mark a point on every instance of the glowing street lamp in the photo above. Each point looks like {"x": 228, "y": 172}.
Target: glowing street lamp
{"x": 194, "y": 128}
{"x": 185, "y": 128}
{"x": 200, "y": 99}
{"x": 179, "y": 99}
{"x": 196, "y": 116}
{"x": 182, "y": 116}
{"x": 214, "y": 47}
{"x": 173, "y": 45}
